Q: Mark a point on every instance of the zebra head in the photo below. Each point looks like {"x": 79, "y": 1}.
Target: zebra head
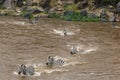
{"x": 22, "y": 69}
{"x": 64, "y": 32}
{"x": 50, "y": 61}
{"x": 26, "y": 70}
{"x": 35, "y": 20}
{"x": 74, "y": 50}
{"x": 53, "y": 61}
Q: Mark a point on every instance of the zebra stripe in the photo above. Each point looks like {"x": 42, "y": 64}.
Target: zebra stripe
{"x": 52, "y": 61}
{"x": 59, "y": 62}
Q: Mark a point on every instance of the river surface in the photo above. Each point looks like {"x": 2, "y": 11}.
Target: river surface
{"x": 24, "y": 43}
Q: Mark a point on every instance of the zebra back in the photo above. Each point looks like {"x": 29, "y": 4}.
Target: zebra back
{"x": 59, "y": 62}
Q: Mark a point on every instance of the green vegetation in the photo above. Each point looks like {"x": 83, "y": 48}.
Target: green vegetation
{"x": 1, "y": 7}
{"x": 74, "y": 17}
{"x": 55, "y": 15}
{"x": 27, "y": 14}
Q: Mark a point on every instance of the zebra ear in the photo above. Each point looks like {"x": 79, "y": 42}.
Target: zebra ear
{"x": 71, "y": 52}
{"x": 19, "y": 72}
{"x": 47, "y": 63}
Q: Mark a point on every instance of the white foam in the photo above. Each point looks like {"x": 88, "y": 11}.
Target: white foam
{"x": 117, "y": 27}
{"x": 58, "y": 57}
{"x": 18, "y": 23}
{"x": 89, "y": 50}
{"x": 15, "y": 73}
{"x": 71, "y": 63}
{"x": 36, "y": 74}
{"x": 82, "y": 49}
{"x": 15, "y": 22}
{"x": 60, "y": 32}
{"x": 54, "y": 70}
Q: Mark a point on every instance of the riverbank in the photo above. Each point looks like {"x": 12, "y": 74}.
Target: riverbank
{"x": 64, "y": 10}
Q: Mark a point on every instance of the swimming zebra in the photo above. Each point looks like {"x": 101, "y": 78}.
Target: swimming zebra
{"x": 52, "y": 61}
{"x": 24, "y": 70}
{"x": 74, "y": 50}
{"x": 64, "y": 32}
{"x": 34, "y": 21}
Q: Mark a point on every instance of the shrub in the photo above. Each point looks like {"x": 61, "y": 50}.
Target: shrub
{"x": 54, "y": 15}
{"x": 77, "y": 17}
{"x": 27, "y": 14}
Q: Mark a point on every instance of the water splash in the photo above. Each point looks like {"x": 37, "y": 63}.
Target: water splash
{"x": 83, "y": 49}
{"x": 15, "y": 23}
{"x": 70, "y": 61}
{"x": 89, "y": 50}
{"x": 60, "y": 32}
{"x": 54, "y": 70}
{"x": 19, "y": 23}
{"x": 36, "y": 74}
{"x": 41, "y": 69}
{"x": 74, "y": 63}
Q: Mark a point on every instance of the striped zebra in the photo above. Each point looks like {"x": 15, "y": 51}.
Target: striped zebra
{"x": 64, "y": 32}
{"x": 24, "y": 70}
{"x": 52, "y": 61}
{"x": 34, "y": 21}
{"x": 74, "y": 50}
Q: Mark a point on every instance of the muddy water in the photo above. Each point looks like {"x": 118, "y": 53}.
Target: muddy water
{"x": 24, "y": 43}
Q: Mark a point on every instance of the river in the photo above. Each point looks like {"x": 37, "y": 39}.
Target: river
{"x": 24, "y": 43}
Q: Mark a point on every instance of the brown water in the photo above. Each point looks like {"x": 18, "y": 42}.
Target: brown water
{"x": 23, "y": 43}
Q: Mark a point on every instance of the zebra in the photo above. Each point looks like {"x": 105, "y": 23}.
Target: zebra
{"x": 34, "y": 21}
{"x": 74, "y": 50}
{"x": 24, "y": 70}
{"x": 64, "y": 32}
{"x": 52, "y": 61}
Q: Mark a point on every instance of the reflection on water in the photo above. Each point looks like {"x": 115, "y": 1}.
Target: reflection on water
{"x": 98, "y": 46}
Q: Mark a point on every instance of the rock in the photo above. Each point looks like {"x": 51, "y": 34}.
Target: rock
{"x": 35, "y": 9}
{"x": 75, "y": 1}
{"x": 20, "y": 3}
{"x": 7, "y": 4}
{"x": 27, "y": 16}
{"x": 118, "y": 7}
{"x": 45, "y": 4}
{"x": 2, "y": 1}
{"x": 112, "y": 19}
{"x": 59, "y": 2}
{"x": 9, "y": 12}
{"x": 83, "y": 13}
{"x": 103, "y": 15}
{"x": 35, "y": 2}
{"x": 82, "y": 5}
{"x": 92, "y": 15}
{"x": 52, "y": 10}
{"x": 28, "y": 2}
{"x": 67, "y": 13}
{"x": 98, "y": 3}
{"x": 58, "y": 8}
